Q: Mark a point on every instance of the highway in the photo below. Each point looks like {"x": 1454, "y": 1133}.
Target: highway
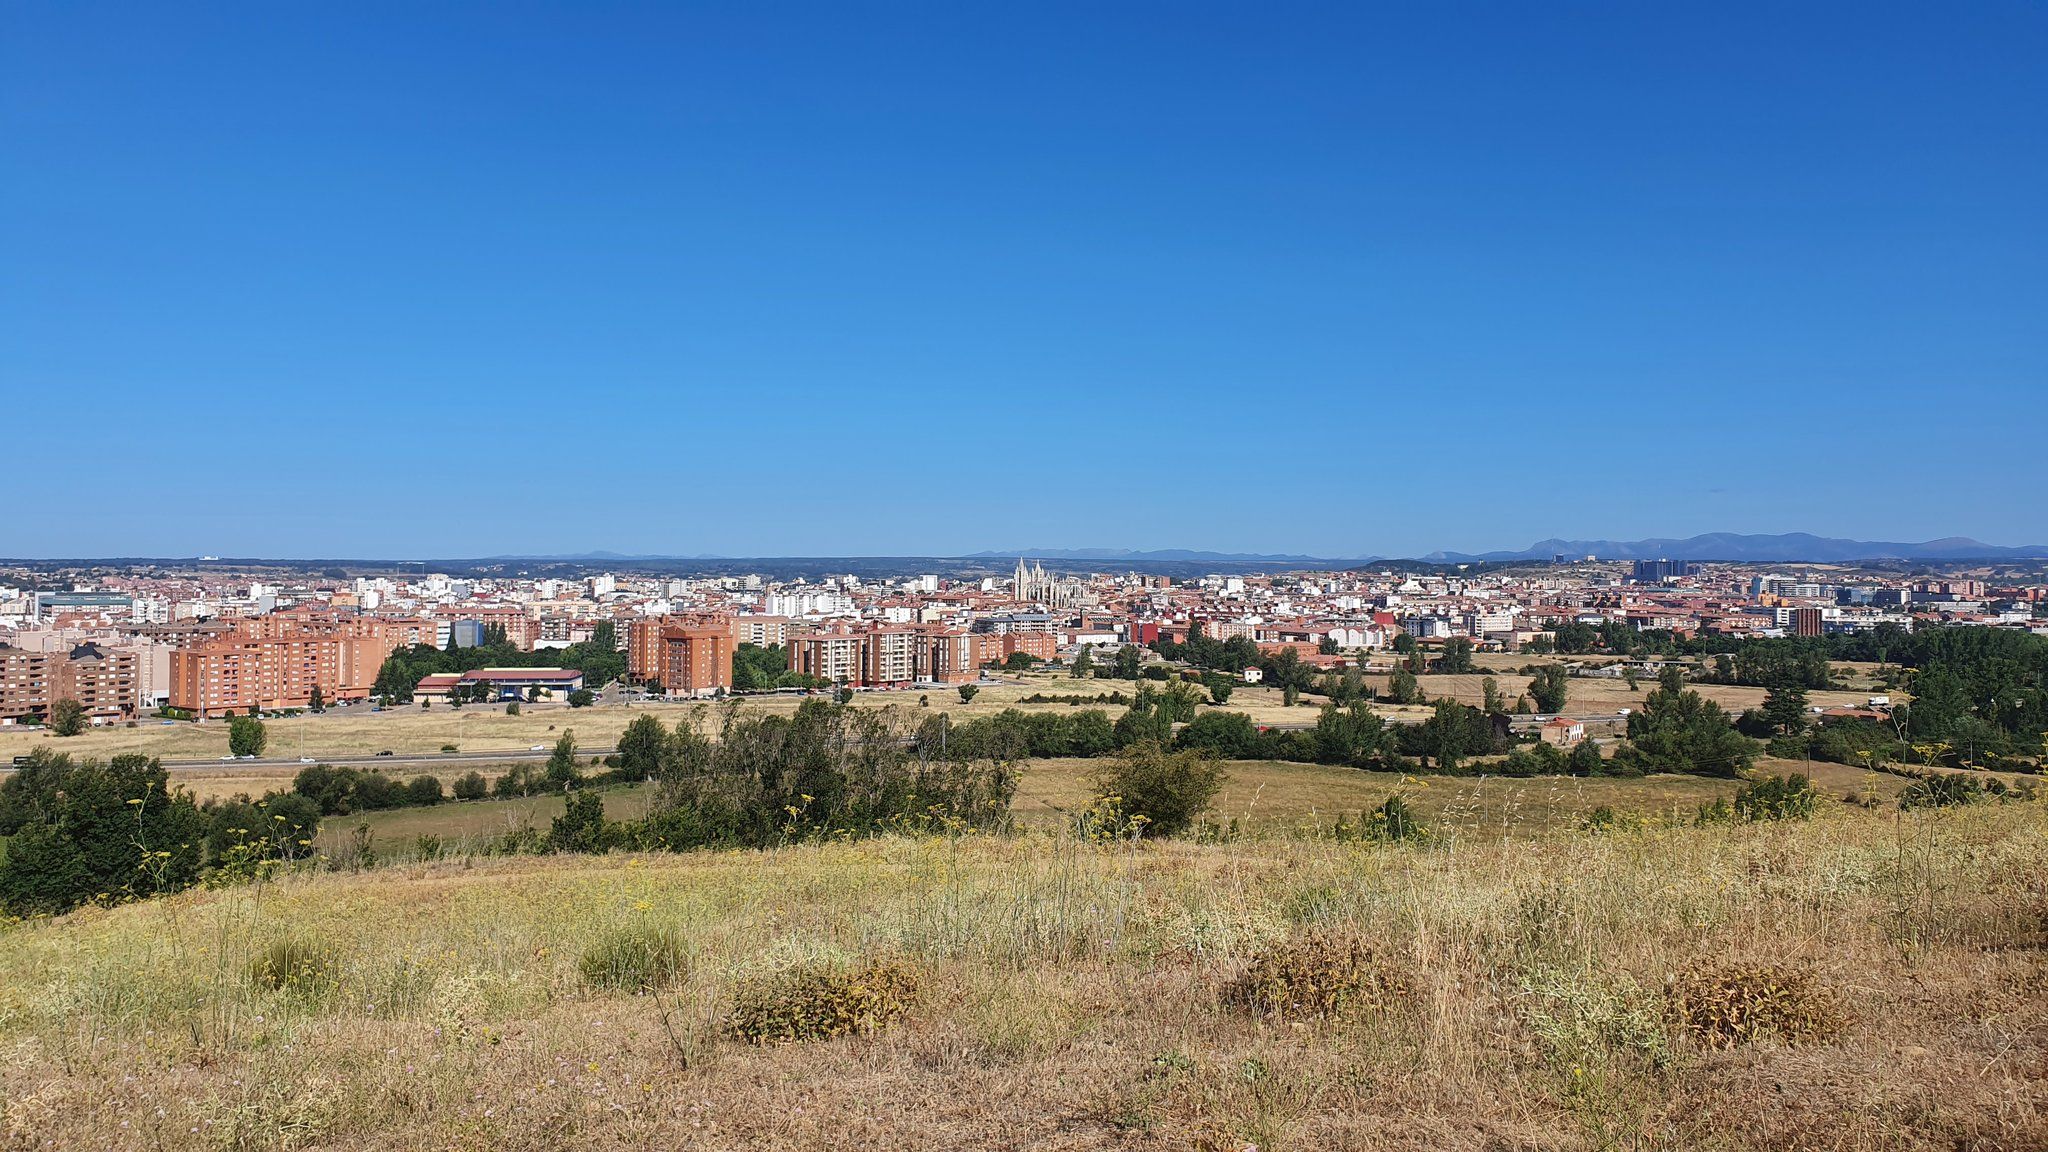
{"x": 407, "y": 759}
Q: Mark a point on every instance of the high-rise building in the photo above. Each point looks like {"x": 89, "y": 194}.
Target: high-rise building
{"x": 1806, "y": 622}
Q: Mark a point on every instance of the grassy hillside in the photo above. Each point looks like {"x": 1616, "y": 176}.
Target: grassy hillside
{"x": 1503, "y": 992}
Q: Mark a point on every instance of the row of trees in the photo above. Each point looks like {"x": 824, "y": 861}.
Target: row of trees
{"x": 87, "y": 831}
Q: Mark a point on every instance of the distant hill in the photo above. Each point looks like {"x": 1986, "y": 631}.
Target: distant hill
{"x": 1784, "y": 548}
{"x": 1168, "y": 555}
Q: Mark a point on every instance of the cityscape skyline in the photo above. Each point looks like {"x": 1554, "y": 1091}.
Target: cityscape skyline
{"x": 824, "y": 280}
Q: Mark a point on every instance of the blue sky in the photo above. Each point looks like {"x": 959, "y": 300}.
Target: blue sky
{"x": 398, "y": 280}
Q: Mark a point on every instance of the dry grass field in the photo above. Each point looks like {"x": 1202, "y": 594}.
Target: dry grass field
{"x": 1863, "y": 981}
{"x": 1259, "y": 799}
{"x": 486, "y": 728}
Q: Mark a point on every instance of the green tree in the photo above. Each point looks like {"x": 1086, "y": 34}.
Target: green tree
{"x": 641, "y": 747}
{"x": 1586, "y": 760}
{"x": 582, "y": 827}
{"x": 1163, "y": 792}
{"x": 1084, "y": 664}
{"x": 316, "y": 702}
{"x": 246, "y": 736}
{"x": 1494, "y": 705}
{"x": 67, "y": 717}
{"x": 1457, "y": 656}
{"x": 1785, "y": 708}
{"x": 561, "y": 770}
{"x": 1677, "y": 730}
{"x": 1130, "y": 661}
{"x": 968, "y": 692}
{"x": 582, "y": 698}
{"x": 1548, "y": 688}
{"x": 92, "y": 831}
{"x": 1402, "y": 687}
{"x": 1220, "y": 687}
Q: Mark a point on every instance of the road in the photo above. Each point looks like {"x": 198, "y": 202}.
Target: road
{"x": 409, "y": 759}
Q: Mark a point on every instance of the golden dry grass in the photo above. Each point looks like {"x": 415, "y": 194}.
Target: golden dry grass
{"x": 1070, "y": 996}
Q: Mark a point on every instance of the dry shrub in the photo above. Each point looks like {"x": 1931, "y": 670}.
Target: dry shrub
{"x": 1317, "y": 975}
{"x": 635, "y": 959}
{"x": 1735, "y": 1004}
{"x": 818, "y": 1002}
{"x": 291, "y": 965}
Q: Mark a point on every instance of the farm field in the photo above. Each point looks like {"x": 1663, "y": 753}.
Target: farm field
{"x": 1489, "y": 992}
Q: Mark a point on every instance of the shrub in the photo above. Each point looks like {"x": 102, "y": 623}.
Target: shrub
{"x": 1941, "y": 790}
{"x": 290, "y": 964}
{"x": 1167, "y": 791}
{"x": 472, "y": 786}
{"x": 820, "y": 1002}
{"x": 423, "y": 790}
{"x": 1391, "y": 822}
{"x": 1736, "y": 1004}
{"x": 1777, "y": 798}
{"x": 1317, "y": 975}
{"x": 635, "y": 959}
{"x": 582, "y": 827}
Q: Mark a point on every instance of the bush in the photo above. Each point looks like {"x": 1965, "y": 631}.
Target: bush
{"x": 820, "y": 1002}
{"x": 421, "y": 791}
{"x": 1318, "y": 975}
{"x": 1738, "y": 1004}
{"x": 1392, "y": 822}
{"x": 1159, "y": 792}
{"x": 635, "y": 959}
{"x": 1777, "y": 798}
{"x": 291, "y": 965}
{"x": 582, "y": 827}
{"x": 1941, "y": 790}
{"x": 472, "y": 786}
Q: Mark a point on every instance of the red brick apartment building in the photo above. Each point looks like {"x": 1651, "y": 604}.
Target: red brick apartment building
{"x": 276, "y": 661}
{"x": 106, "y": 681}
{"x": 889, "y": 655}
{"x": 688, "y": 655}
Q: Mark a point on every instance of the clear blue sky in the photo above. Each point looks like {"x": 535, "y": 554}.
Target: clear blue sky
{"x": 416, "y": 279}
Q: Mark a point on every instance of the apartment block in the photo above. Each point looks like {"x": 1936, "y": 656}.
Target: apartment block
{"x": 890, "y": 655}
{"x": 106, "y": 681}
{"x": 276, "y": 661}
{"x": 647, "y": 647}
{"x": 696, "y": 661}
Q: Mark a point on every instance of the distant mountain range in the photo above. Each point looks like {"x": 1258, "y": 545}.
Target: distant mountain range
{"x": 1783, "y": 548}
{"x": 1162, "y": 554}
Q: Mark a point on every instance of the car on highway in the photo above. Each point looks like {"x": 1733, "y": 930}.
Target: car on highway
{"x": 246, "y": 756}
{"x": 538, "y": 748}
{"x": 230, "y": 757}
{"x": 385, "y": 752}
{"x": 307, "y": 760}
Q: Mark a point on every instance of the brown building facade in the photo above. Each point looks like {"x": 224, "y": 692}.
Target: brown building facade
{"x": 277, "y": 661}
{"x": 106, "y": 681}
